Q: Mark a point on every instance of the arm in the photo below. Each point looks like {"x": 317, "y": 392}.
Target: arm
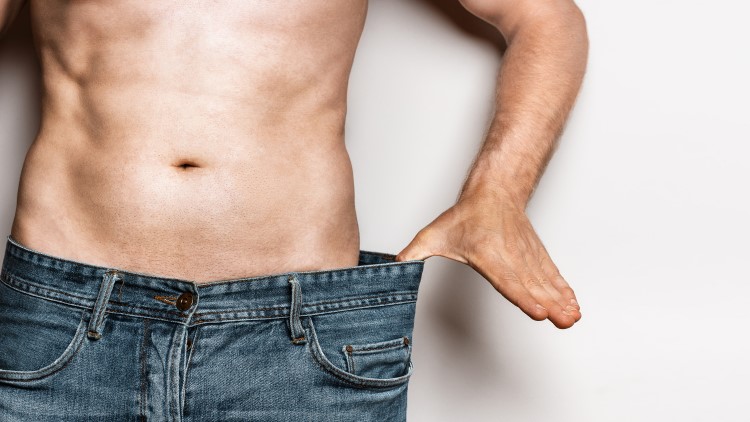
{"x": 8, "y": 11}
{"x": 487, "y": 228}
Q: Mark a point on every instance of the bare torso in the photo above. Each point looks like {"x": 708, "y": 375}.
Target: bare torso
{"x": 192, "y": 139}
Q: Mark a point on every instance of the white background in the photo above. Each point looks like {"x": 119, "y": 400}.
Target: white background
{"x": 644, "y": 208}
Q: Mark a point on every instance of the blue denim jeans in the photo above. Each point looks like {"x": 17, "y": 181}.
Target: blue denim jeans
{"x": 80, "y": 342}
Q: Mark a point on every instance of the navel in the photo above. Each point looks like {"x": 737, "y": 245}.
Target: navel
{"x": 185, "y": 164}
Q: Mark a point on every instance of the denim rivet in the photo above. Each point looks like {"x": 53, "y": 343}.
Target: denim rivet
{"x": 349, "y": 348}
{"x": 406, "y": 341}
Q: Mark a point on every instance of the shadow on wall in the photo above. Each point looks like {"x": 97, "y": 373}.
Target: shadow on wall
{"x": 467, "y": 23}
{"x": 20, "y": 98}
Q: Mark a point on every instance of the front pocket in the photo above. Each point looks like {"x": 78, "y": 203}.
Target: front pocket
{"x": 365, "y": 347}
{"x": 38, "y": 337}
{"x": 385, "y": 359}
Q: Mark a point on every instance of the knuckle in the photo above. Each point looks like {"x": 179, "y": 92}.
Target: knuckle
{"x": 568, "y": 291}
{"x": 536, "y": 317}
{"x": 509, "y": 276}
{"x": 513, "y": 249}
{"x": 535, "y": 313}
{"x": 546, "y": 262}
{"x": 530, "y": 282}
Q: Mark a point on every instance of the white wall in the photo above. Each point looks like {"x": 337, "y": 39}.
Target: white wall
{"x": 644, "y": 208}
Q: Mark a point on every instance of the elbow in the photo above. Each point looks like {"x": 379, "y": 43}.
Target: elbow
{"x": 577, "y": 24}
{"x": 519, "y": 16}
{"x": 561, "y": 17}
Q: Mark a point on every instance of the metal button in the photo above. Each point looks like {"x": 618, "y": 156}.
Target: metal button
{"x": 184, "y": 301}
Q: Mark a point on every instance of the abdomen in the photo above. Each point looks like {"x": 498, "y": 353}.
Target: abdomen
{"x": 193, "y": 142}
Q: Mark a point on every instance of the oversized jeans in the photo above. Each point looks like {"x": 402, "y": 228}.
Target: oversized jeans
{"x": 80, "y": 342}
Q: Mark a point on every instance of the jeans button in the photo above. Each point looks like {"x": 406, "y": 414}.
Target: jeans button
{"x": 184, "y": 301}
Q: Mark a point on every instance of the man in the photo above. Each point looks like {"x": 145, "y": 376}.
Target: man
{"x": 188, "y": 204}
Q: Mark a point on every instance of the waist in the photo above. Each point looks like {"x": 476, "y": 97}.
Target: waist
{"x": 276, "y": 209}
{"x": 376, "y": 279}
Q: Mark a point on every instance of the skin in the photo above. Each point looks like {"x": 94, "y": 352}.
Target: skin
{"x": 488, "y": 228}
{"x": 205, "y": 141}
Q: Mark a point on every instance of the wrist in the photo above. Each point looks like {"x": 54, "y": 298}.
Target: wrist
{"x": 497, "y": 189}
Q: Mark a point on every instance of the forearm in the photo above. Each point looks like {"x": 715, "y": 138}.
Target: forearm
{"x": 538, "y": 81}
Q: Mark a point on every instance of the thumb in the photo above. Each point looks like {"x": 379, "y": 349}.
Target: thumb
{"x": 422, "y": 246}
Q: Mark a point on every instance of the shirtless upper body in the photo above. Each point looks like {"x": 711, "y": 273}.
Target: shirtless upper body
{"x": 205, "y": 141}
{"x": 192, "y": 139}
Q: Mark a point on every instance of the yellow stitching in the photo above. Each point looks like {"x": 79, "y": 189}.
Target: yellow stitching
{"x": 169, "y": 300}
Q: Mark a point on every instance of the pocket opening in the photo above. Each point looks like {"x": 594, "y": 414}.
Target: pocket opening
{"x": 344, "y": 374}
{"x": 41, "y": 336}
{"x": 58, "y": 364}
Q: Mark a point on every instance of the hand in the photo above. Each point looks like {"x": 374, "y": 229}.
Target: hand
{"x": 493, "y": 235}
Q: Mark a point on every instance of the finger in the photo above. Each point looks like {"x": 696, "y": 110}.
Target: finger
{"x": 522, "y": 255}
{"x": 536, "y": 257}
{"x": 564, "y": 306}
{"x": 557, "y": 280}
{"x": 532, "y": 260}
{"x": 420, "y": 247}
{"x": 511, "y": 281}
{"x": 508, "y": 284}
{"x": 555, "y": 312}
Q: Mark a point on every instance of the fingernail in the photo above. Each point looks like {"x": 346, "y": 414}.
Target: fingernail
{"x": 573, "y": 301}
{"x": 538, "y": 306}
{"x": 570, "y": 309}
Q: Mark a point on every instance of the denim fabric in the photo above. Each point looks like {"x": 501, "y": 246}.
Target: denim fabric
{"x": 80, "y": 342}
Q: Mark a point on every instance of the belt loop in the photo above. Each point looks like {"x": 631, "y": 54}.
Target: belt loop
{"x": 97, "y": 314}
{"x": 295, "y": 325}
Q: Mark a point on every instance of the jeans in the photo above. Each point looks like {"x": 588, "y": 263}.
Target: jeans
{"x": 80, "y": 342}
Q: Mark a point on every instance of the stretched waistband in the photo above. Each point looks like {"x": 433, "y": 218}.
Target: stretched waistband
{"x": 376, "y": 280}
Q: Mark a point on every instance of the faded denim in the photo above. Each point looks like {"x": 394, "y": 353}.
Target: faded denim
{"x": 80, "y": 342}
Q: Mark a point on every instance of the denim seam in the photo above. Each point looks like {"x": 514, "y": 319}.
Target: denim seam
{"x": 174, "y": 381}
{"x": 187, "y": 365}
{"x": 29, "y": 286}
{"x": 109, "y": 311}
{"x": 116, "y": 307}
{"x": 144, "y": 371}
{"x": 9, "y": 284}
{"x": 33, "y": 289}
{"x": 23, "y": 286}
{"x": 403, "y": 267}
{"x": 358, "y": 349}
{"x": 304, "y": 314}
{"x": 344, "y": 303}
